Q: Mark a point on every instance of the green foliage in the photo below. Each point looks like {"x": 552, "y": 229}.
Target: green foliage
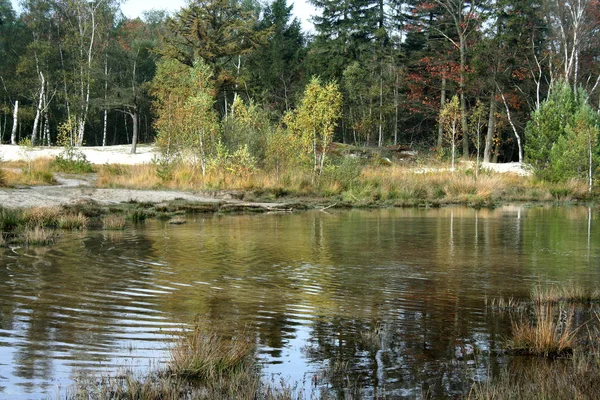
{"x": 315, "y": 119}
{"x": 450, "y": 119}
{"x": 562, "y": 136}
{"x": 71, "y": 159}
{"x": 247, "y": 127}
{"x": 344, "y": 174}
{"x": 187, "y": 124}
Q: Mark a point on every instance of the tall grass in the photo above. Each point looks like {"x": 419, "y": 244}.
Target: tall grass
{"x": 10, "y": 219}
{"x": 38, "y": 236}
{"x": 209, "y": 356}
{"x": 203, "y": 365}
{"x": 551, "y": 334}
{"x": 73, "y": 221}
{"x": 42, "y": 216}
{"x": 564, "y": 293}
{"x": 113, "y": 222}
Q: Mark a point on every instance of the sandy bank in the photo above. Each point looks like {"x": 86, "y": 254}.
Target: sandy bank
{"x": 95, "y": 154}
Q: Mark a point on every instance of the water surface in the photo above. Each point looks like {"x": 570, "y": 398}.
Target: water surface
{"x": 306, "y": 285}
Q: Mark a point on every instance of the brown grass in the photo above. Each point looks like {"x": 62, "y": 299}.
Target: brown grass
{"x": 563, "y": 293}
{"x": 37, "y": 172}
{"x": 73, "y": 221}
{"x": 207, "y": 356}
{"x": 39, "y": 236}
{"x": 552, "y": 334}
{"x": 42, "y": 216}
{"x": 113, "y": 222}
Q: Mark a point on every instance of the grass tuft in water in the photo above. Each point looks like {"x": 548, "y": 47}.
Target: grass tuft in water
{"x": 39, "y": 236}
{"x": 73, "y": 221}
{"x": 551, "y": 335}
{"x": 113, "y": 222}
{"x": 208, "y": 356}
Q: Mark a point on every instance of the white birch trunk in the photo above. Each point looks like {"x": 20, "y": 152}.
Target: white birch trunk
{"x": 38, "y": 112}
{"x": 13, "y": 133}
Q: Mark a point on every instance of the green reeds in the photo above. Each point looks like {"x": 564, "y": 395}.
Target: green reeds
{"x": 10, "y": 219}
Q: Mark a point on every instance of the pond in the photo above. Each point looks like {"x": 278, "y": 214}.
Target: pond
{"x": 309, "y": 286}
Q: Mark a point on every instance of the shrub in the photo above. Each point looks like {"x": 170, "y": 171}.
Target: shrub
{"x": 562, "y": 135}
{"x": 70, "y": 159}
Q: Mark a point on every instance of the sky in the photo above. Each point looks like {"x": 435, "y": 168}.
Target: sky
{"x": 134, "y": 8}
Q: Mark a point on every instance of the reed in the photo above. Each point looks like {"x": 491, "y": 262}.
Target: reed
{"x": 113, "y": 222}
{"x": 207, "y": 356}
{"x": 568, "y": 292}
{"x": 552, "y": 334}
{"x": 42, "y": 216}
{"x": 73, "y": 221}
{"x": 39, "y": 236}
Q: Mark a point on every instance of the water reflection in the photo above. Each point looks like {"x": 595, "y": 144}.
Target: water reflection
{"x": 308, "y": 285}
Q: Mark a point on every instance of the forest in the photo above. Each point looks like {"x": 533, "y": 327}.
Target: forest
{"x": 240, "y": 80}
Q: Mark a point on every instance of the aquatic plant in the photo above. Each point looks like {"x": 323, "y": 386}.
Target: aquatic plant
{"x": 550, "y": 335}
{"x": 73, "y": 221}
{"x": 38, "y": 236}
{"x": 208, "y": 356}
{"x": 113, "y": 222}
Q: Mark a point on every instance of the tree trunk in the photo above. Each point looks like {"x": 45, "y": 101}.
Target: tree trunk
{"x": 513, "y": 128}
{"x": 440, "y": 138}
{"x": 380, "y": 141}
{"x": 104, "y": 123}
{"x": 463, "y": 101}
{"x": 396, "y": 108}
{"x": 491, "y": 127}
{"x": 13, "y": 133}
{"x": 134, "y": 136}
{"x": 38, "y": 111}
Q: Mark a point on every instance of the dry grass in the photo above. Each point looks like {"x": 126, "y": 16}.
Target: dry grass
{"x": 73, "y": 221}
{"x": 395, "y": 185}
{"x": 207, "y": 356}
{"x": 564, "y": 378}
{"x": 42, "y": 216}
{"x": 113, "y": 222}
{"x": 37, "y": 172}
{"x": 39, "y": 236}
{"x": 2, "y": 240}
{"x": 563, "y": 293}
{"x": 552, "y": 334}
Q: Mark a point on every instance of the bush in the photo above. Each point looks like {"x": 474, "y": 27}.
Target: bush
{"x": 70, "y": 159}
{"x": 561, "y": 135}
{"x": 73, "y": 161}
